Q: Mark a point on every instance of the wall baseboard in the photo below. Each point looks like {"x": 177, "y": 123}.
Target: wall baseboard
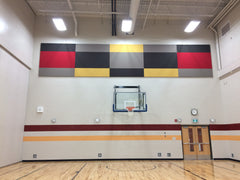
{"x": 171, "y": 159}
{"x": 227, "y": 159}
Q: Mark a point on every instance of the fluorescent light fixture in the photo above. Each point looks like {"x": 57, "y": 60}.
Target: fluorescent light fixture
{"x": 3, "y": 26}
{"x": 59, "y": 24}
{"x": 192, "y": 26}
{"x": 126, "y": 25}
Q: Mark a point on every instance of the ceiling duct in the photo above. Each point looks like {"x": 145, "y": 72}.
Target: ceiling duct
{"x": 133, "y": 11}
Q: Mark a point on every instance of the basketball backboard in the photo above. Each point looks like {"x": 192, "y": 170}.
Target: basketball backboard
{"x": 129, "y": 96}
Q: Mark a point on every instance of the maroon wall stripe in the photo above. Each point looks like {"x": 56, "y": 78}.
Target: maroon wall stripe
{"x": 105, "y": 127}
{"x": 224, "y": 127}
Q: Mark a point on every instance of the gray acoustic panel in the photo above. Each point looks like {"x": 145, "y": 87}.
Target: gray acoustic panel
{"x": 160, "y": 48}
{"x": 195, "y": 72}
{"x": 92, "y": 48}
{"x": 56, "y": 72}
{"x": 126, "y": 60}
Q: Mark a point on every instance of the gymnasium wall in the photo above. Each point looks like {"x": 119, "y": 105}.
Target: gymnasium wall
{"x": 16, "y": 44}
{"x": 75, "y": 102}
{"x": 230, "y": 76}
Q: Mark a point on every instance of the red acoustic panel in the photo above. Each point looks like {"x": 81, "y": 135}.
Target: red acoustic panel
{"x": 57, "y": 59}
{"x": 194, "y": 60}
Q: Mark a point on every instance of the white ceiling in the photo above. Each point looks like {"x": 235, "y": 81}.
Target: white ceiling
{"x": 149, "y": 10}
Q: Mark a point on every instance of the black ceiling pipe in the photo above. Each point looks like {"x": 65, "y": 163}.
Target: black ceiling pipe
{"x": 114, "y": 18}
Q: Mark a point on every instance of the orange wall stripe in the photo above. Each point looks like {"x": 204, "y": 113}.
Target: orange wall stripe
{"x": 100, "y": 138}
{"x": 225, "y": 137}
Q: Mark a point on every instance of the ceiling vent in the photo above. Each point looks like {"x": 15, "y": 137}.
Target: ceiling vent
{"x": 225, "y": 28}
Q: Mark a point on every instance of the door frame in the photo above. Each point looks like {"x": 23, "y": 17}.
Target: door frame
{"x": 210, "y": 141}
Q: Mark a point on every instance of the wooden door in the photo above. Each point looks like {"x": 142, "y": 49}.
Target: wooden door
{"x": 196, "y": 142}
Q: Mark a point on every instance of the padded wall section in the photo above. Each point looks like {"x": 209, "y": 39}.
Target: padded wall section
{"x": 92, "y": 60}
{"x": 57, "y": 60}
{"x": 160, "y": 61}
{"x": 125, "y": 60}
{"x": 194, "y": 60}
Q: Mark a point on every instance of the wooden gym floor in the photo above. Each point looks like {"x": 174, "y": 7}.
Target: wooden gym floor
{"x": 123, "y": 170}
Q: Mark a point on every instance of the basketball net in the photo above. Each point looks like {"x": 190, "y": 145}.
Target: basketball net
{"x": 130, "y": 110}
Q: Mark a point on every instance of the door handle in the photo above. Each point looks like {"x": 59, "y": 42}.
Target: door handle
{"x": 199, "y": 147}
{"x": 202, "y": 143}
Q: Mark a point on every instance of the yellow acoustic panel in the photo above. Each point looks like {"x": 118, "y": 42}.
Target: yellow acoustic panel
{"x": 92, "y": 72}
{"x": 101, "y": 138}
{"x": 225, "y": 137}
{"x": 160, "y": 72}
{"x": 126, "y": 47}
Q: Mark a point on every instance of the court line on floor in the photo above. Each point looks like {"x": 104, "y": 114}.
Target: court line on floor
{"x": 31, "y": 172}
{"x": 77, "y": 172}
{"x": 189, "y": 171}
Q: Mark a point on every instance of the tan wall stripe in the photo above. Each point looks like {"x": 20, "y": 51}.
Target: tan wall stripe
{"x": 225, "y": 137}
{"x": 100, "y": 138}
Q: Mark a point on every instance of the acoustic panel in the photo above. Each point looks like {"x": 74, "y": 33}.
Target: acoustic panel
{"x": 126, "y": 48}
{"x": 57, "y": 47}
{"x": 194, "y": 60}
{"x": 91, "y": 72}
{"x": 160, "y": 48}
{"x": 193, "y": 48}
{"x": 124, "y": 60}
{"x": 126, "y": 72}
{"x": 57, "y": 59}
{"x": 160, "y": 60}
{"x": 195, "y": 72}
{"x": 56, "y": 72}
{"x": 92, "y": 47}
{"x": 163, "y": 72}
{"x": 92, "y": 60}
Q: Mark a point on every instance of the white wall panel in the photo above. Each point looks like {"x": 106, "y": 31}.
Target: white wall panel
{"x": 13, "y": 95}
{"x": 17, "y": 33}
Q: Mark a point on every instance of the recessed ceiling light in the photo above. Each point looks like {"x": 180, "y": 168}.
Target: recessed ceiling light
{"x": 191, "y": 26}
{"x": 126, "y": 25}
{"x": 59, "y": 24}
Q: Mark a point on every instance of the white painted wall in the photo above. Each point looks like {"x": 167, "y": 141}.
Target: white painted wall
{"x": 15, "y": 46}
{"x": 230, "y": 84}
{"x": 13, "y": 83}
{"x": 229, "y": 43}
{"x": 81, "y": 100}
{"x": 16, "y": 35}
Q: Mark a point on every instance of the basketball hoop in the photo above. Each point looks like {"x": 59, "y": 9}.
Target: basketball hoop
{"x": 130, "y": 110}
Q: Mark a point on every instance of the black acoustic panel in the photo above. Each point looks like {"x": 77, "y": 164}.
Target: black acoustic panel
{"x": 57, "y": 47}
{"x": 92, "y": 60}
{"x": 160, "y": 60}
{"x": 126, "y": 73}
{"x": 193, "y": 48}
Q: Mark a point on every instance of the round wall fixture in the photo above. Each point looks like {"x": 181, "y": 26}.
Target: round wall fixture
{"x": 212, "y": 120}
{"x": 53, "y": 120}
{"x": 194, "y": 111}
{"x": 97, "y": 120}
